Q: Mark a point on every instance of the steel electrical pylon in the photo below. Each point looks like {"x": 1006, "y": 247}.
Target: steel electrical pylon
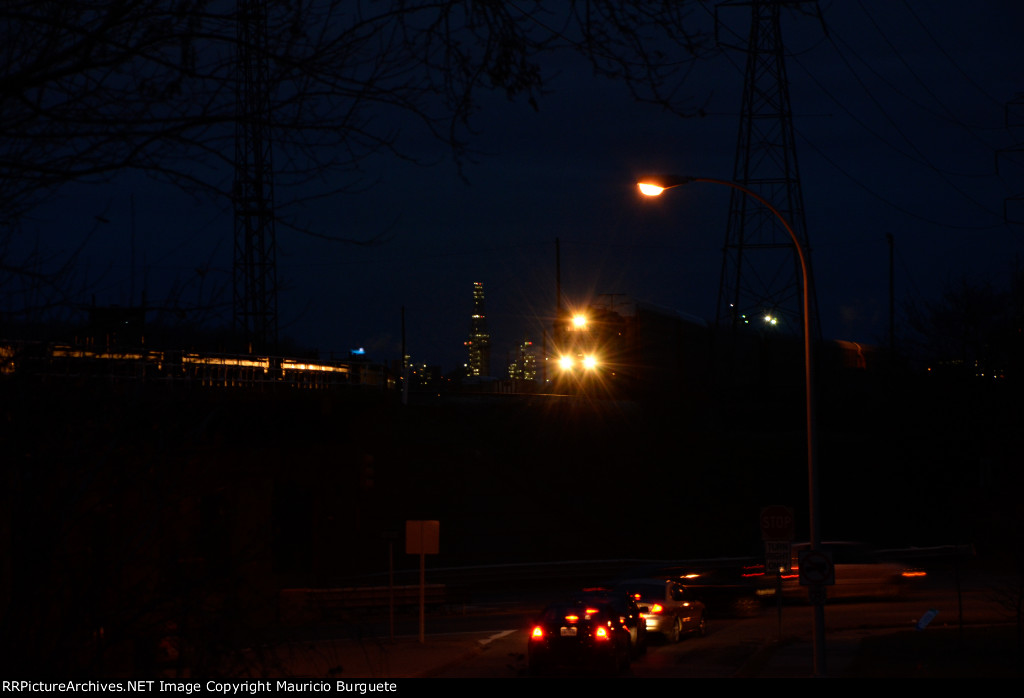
{"x": 255, "y": 265}
{"x": 761, "y": 279}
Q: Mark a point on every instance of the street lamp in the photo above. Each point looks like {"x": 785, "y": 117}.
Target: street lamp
{"x": 654, "y": 186}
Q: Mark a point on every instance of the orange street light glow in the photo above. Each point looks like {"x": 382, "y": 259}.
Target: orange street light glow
{"x": 650, "y": 189}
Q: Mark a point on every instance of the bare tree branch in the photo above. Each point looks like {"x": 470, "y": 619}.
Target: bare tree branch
{"x": 94, "y": 88}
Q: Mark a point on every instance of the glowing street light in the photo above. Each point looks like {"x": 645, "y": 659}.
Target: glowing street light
{"x": 655, "y": 185}
{"x": 649, "y": 189}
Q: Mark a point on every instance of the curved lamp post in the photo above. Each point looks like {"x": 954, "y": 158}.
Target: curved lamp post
{"x": 653, "y": 186}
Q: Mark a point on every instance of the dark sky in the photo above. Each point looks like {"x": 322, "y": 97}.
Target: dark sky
{"x": 899, "y": 113}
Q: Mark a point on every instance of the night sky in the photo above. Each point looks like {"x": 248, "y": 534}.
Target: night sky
{"x": 899, "y": 112}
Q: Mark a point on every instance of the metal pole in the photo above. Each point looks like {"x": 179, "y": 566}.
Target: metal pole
{"x": 423, "y": 593}
{"x": 892, "y": 298}
{"x": 812, "y": 431}
{"x": 669, "y": 181}
{"x": 391, "y": 590}
{"x": 405, "y": 365}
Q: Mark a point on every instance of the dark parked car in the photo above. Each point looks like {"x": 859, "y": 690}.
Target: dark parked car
{"x": 575, "y": 634}
{"x": 671, "y": 608}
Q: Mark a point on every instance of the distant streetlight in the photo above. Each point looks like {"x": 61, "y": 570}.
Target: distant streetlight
{"x": 653, "y": 186}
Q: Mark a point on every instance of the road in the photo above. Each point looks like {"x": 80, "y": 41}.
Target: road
{"x": 732, "y": 644}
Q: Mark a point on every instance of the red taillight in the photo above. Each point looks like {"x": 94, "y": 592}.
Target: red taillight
{"x": 601, "y": 633}
{"x": 753, "y": 570}
{"x": 537, "y": 633}
{"x": 656, "y": 608}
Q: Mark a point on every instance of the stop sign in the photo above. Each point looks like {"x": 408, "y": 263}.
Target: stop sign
{"x": 777, "y": 523}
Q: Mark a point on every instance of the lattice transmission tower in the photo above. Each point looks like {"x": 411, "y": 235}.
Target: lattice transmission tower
{"x": 255, "y": 265}
{"x": 761, "y": 279}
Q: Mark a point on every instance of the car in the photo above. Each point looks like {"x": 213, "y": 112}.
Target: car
{"x": 626, "y": 606}
{"x": 734, "y": 588}
{"x": 859, "y": 572}
{"x": 669, "y": 607}
{"x": 578, "y": 634}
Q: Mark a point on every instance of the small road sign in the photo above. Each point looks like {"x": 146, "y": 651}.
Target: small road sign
{"x": 777, "y": 556}
{"x": 816, "y": 568}
{"x": 777, "y": 523}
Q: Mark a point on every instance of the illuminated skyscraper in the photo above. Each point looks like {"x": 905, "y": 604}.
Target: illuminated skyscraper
{"x": 479, "y": 342}
{"x": 524, "y": 366}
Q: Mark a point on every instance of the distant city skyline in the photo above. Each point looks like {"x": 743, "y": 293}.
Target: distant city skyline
{"x": 901, "y": 114}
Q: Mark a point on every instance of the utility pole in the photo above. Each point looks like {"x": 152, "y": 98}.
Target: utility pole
{"x": 892, "y": 295}
{"x": 255, "y": 265}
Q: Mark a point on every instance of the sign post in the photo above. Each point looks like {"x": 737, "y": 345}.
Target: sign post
{"x": 777, "y": 534}
{"x": 421, "y": 538}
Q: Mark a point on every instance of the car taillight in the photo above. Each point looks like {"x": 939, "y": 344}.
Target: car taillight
{"x": 656, "y": 608}
{"x": 537, "y": 633}
{"x": 753, "y": 571}
{"x": 601, "y": 633}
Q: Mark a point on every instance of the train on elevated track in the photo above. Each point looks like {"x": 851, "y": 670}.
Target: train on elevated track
{"x": 640, "y": 350}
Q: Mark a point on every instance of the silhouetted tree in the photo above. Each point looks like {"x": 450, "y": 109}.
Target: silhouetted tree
{"x": 98, "y": 498}
{"x": 90, "y": 89}
{"x": 972, "y": 329}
